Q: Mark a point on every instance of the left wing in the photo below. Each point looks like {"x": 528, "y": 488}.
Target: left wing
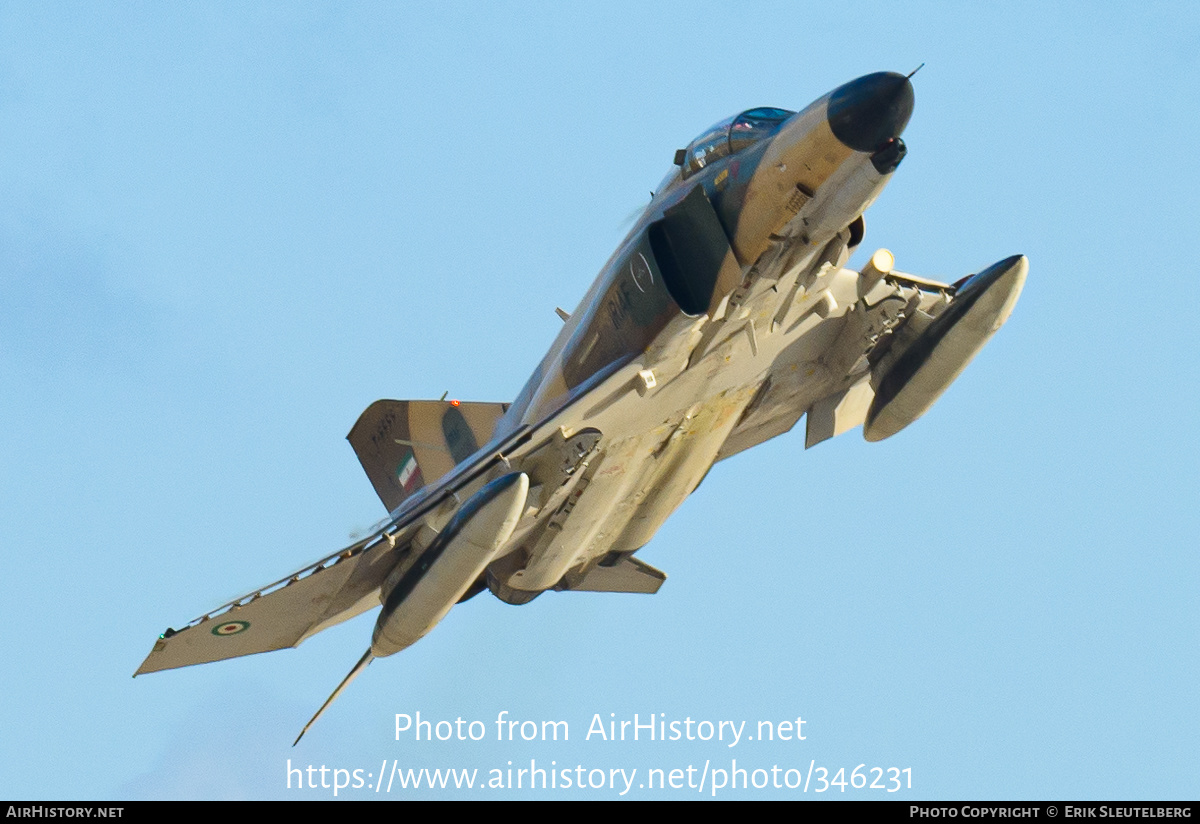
{"x": 283, "y": 614}
{"x": 332, "y": 590}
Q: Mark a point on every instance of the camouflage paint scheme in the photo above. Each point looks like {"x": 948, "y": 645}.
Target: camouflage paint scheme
{"x": 723, "y": 317}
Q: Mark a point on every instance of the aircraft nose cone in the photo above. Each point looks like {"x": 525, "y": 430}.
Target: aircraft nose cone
{"x": 865, "y": 112}
{"x": 1013, "y": 268}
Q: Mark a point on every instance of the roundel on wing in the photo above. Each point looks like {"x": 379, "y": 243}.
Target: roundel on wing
{"x": 231, "y": 627}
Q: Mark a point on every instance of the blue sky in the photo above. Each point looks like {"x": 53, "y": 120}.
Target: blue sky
{"x": 226, "y": 229}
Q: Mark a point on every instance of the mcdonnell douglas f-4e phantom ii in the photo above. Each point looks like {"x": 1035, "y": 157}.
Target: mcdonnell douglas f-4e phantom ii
{"x": 724, "y": 316}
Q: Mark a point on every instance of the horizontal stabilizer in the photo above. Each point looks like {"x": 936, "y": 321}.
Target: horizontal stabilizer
{"x": 404, "y": 445}
{"x": 628, "y": 574}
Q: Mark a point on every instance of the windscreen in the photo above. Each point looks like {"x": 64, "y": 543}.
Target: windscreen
{"x": 732, "y": 135}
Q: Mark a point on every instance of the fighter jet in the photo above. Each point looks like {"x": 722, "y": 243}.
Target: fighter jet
{"x": 725, "y": 315}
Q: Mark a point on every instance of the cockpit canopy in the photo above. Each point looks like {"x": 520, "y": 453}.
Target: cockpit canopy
{"x": 732, "y": 135}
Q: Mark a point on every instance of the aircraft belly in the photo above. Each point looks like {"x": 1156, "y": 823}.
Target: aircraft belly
{"x": 635, "y": 486}
{"x": 682, "y": 464}
{"x": 782, "y": 343}
{"x": 642, "y": 479}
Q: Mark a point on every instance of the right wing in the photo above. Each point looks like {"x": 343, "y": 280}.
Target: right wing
{"x": 777, "y": 406}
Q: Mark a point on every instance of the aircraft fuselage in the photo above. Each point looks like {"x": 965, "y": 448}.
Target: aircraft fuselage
{"x": 724, "y": 316}
{"x": 683, "y": 365}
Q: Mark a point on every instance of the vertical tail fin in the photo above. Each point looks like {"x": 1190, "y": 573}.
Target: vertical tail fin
{"x": 404, "y": 445}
